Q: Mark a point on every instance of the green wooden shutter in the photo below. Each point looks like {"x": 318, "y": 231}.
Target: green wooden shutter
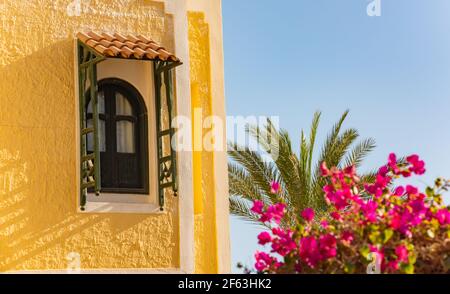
{"x": 167, "y": 167}
{"x": 89, "y": 162}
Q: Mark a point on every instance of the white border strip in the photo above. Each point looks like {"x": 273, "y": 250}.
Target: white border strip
{"x": 184, "y": 159}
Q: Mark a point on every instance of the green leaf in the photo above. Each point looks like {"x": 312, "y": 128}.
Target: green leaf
{"x": 374, "y": 236}
{"x": 364, "y": 251}
{"x": 430, "y": 192}
{"x": 408, "y": 269}
{"x": 387, "y": 235}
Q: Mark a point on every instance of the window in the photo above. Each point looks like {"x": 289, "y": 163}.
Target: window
{"x": 122, "y": 137}
{"x": 120, "y": 166}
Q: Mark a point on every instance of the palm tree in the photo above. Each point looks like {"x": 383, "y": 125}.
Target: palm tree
{"x": 250, "y": 173}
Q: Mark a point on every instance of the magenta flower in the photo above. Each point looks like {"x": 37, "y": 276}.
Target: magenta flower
{"x": 369, "y": 210}
{"x": 392, "y": 163}
{"x": 402, "y": 253}
{"x": 274, "y": 187}
{"x": 263, "y": 261}
{"x": 383, "y": 171}
{"x": 335, "y": 215}
{"x": 257, "y": 207}
{"x": 264, "y": 238}
{"x": 308, "y": 214}
{"x": 399, "y": 191}
{"x": 418, "y": 166}
{"x": 327, "y": 246}
{"x": 443, "y": 216}
{"x": 347, "y": 237}
{"x": 411, "y": 190}
{"x": 274, "y": 212}
{"x": 324, "y": 169}
{"x": 309, "y": 251}
{"x": 283, "y": 244}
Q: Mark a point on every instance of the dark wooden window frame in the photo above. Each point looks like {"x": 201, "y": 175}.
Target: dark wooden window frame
{"x": 141, "y": 136}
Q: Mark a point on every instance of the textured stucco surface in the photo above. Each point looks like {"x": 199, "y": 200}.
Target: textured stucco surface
{"x": 39, "y": 223}
{"x": 204, "y": 197}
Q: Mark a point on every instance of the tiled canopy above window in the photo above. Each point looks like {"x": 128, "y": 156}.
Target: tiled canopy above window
{"x": 128, "y": 47}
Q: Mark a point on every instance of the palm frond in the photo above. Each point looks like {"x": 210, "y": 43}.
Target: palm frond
{"x": 260, "y": 172}
{"x": 241, "y": 184}
{"x": 242, "y": 208}
{"x": 359, "y": 152}
{"x": 312, "y": 137}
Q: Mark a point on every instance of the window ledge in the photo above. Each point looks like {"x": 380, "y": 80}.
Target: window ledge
{"x": 111, "y": 207}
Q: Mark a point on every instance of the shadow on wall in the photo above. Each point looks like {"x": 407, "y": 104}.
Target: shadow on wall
{"x": 39, "y": 223}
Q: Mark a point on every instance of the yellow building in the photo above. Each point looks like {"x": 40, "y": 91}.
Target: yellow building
{"x": 92, "y": 175}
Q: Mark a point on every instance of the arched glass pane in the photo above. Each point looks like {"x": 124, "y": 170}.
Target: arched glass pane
{"x": 123, "y": 106}
{"x": 90, "y": 136}
{"x": 125, "y": 137}
{"x": 101, "y": 103}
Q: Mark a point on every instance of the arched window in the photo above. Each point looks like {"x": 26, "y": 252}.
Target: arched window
{"x": 122, "y": 137}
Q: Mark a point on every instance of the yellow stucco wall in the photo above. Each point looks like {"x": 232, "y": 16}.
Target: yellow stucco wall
{"x": 204, "y": 194}
{"x": 39, "y": 223}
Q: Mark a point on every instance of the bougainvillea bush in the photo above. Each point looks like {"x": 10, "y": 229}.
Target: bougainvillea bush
{"x": 380, "y": 228}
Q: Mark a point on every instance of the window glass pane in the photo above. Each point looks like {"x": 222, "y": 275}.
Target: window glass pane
{"x": 125, "y": 137}
{"x": 90, "y": 136}
{"x": 101, "y": 103}
{"x": 123, "y": 106}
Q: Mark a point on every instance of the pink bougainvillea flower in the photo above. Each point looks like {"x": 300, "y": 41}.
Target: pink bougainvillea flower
{"x": 383, "y": 171}
{"x": 399, "y": 191}
{"x": 324, "y": 224}
{"x": 327, "y": 246}
{"x": 309, "y": 251}
{"x": 377, "y": 189}
{"x": 443, "y": 216}
{"x": 283, "y": 244}
{"x": 324, "y": 169}
{"x": 263, "y": 261}
{"x": 264, "y": 238}
{"x": 392, "y": 265}
{"x": 339, "y": 199}
{"x": 308, "y": 214}
{"x": 277, "y": 211}
{"x": 418, "y": 166}
{"x": 392, "y": 159}
{"x": 402, "y": 253}
{"x": 274, "y": 212}
{"x": 411, "y": 190}
{"x": 392, "y": 163}
{"x": 335, "y": 215}
{"x": 257, "y": 206}
{"x": 275, "y": 187}
{"x": 347, "y": 237}
{"x": 369, "y": 210}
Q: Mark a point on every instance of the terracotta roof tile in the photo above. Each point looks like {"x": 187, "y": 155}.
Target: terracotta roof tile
{"x": 117, "y": 45}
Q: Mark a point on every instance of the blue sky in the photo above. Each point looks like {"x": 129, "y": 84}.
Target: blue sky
{"x": 289, "y": 58}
